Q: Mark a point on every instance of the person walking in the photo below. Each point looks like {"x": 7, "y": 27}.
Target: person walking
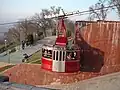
{"x": 23, "y": 45}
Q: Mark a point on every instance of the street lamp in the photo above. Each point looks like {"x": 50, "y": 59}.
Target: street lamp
{"x": 36, "y": 36}
{"x": 5, "y": 45}
{"x": 7, "y": 51}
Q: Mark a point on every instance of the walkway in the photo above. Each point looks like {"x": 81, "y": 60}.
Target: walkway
{"x": 18, "y": 56}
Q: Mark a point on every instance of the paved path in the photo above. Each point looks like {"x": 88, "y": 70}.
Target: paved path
{"x": 18, "y": 56}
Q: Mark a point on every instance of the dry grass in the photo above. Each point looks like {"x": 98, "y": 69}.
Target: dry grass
{"x": 5, "y": 68}
{"x": 35, "y": 58}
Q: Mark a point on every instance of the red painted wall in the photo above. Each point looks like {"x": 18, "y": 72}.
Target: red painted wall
{"x": 72, "y": 66}
{"x": 103, "y": 36}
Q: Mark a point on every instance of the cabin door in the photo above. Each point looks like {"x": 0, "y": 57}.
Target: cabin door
{"x": 58, "y": 61}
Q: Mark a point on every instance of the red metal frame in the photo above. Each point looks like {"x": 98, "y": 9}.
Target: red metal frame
{"x": 46, "y": 64}
{"x": 70, "y": 66}
{"x": 61, "y": 39}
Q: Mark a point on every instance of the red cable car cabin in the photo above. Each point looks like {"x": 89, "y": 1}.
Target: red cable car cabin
{"x": 59, "y": 59}
{"x": 63, "y": 56}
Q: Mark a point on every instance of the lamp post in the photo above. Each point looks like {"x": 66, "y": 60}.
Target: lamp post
{"x": 8, "y": 56}
{"x": 5, "y": 45}
{"x": 36, "y": 36}
{"x": 7, "y": 51}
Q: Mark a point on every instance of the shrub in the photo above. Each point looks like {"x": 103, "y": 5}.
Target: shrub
{"x": 13, "y": 50}
{"x": 69, "y": 33}
{"x": 30, "y": 39}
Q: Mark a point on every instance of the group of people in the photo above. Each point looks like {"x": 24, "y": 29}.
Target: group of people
{"x": 25, "y": 43}
{"x": 47, "y": 53}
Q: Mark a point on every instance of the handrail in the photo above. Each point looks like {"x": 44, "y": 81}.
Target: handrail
{"x": 65, "y": 50}
{"x": 56, "y": 49}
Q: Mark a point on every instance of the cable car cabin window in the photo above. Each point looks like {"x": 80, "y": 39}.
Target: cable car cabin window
{"x": 60, "y": 55}
{"x": 71, "y": 56}
{"x": 57, "y": 56}
{"x": 47, "y": 53}
{"x": 43, "y": 50}
{"x": 74, "y": 55}
{"x": 63, "y": 56}
{"x": 54, "y": 55}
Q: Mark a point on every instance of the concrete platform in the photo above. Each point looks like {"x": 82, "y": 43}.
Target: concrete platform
{"x": 106, "y": 82}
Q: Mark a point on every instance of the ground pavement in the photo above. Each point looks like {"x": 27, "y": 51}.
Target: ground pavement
{"x": 106, "y": 82}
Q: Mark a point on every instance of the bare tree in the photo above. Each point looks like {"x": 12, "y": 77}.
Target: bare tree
{"x": 38, "y": 23}
{"x": 41, "y": 22}
{"x": 55, "y": 11}
{"x": 100, "y": 14}
{"x": 12, "y": 35}
{"x": 117, "y": 5}
{"x": 23, "y": 25}
{"x": 69, "y": 25}
{"x": 45, "y": 23}
{"x": 19, "y": 30}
